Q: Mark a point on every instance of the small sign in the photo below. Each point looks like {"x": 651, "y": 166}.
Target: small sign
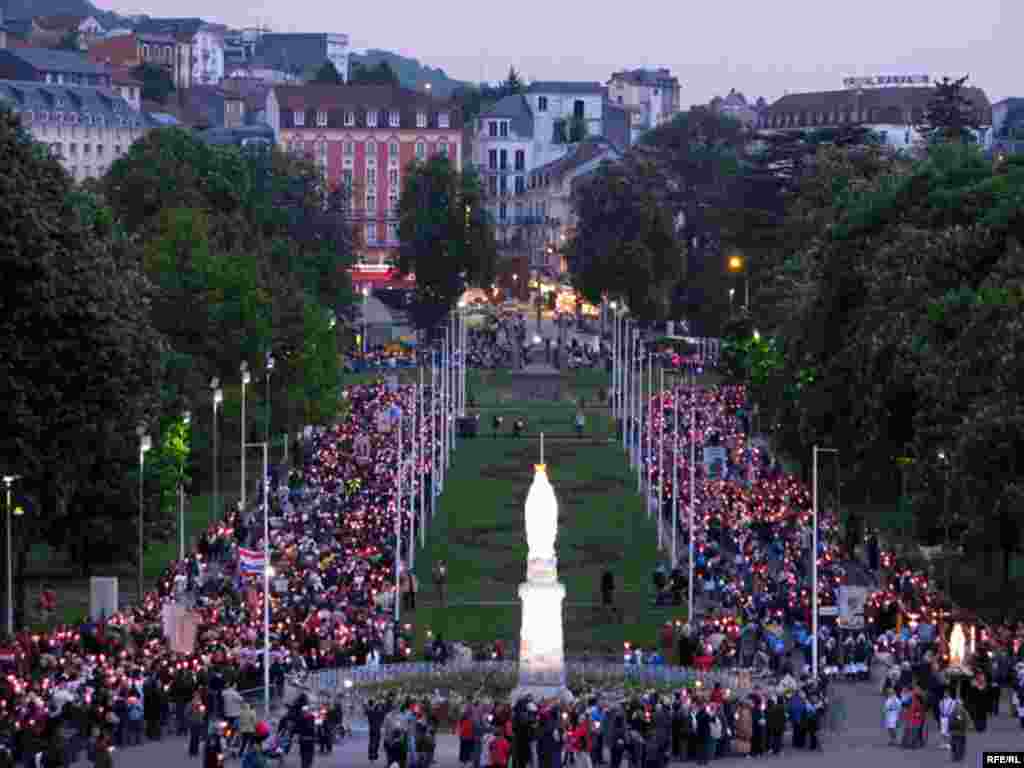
{"x": 391, "y": 382}
{"x": 829, "y": 610}
{"x": 886, "y": 80}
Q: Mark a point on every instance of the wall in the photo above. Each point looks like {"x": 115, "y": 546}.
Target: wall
{"x": 208, "y": 50}
{"x": 560, "y": 106}
{"x": 105, "y": 144}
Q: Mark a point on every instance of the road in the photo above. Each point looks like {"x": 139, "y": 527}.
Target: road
{"x": 861, "y": 743}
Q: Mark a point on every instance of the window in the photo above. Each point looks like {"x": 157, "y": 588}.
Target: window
{"x": 350, "y": 119}
{"x": 86, "y": 150}
{"x": 394, "y": 118}
{"x": 520, "y": 185}
{"x": 492, "y": 128}
{"x": 371, "y": 119}
{"x": 442, "y": 120}
{"x": 371, "y": 232}
{"x": 542, "y": 103}
{"x": 393, "y": 149}
{"x": 578, "y": 109}
{"x": 371, "y": 176}
{"x": 503, "y": 212}
{"x": 504, "y": 129}
{"x": 393, "y": 232}
{"x": 492, "y": 159}
{"x": 519, "y": 213}
{"x": 73, "y": 149}
{"x": 299, "y": 117}
{"x": 117, "y": 149}
{"x": 520, "y": 160}
{"x": 321, "y": 118}
{"x": 393, "y": 203}
{"x": 349, "y": 148}
{"x": 346, "y": 178}
{"x": 443, "y": 149}
{"x": 371, "y": 151}
{"x": 503, "y": 161}
{"x": 393, "y": 178}
{"x": 421, "y": 150}
{"x": 371, "y": 204}
{"x": 99, "y": 151}
{"x": 503, "y": 184}
{"x": 492, "y": 186}
{"x": 421, "y": 119}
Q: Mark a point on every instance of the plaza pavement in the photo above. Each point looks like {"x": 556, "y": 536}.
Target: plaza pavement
{"x": 860, "y": 744}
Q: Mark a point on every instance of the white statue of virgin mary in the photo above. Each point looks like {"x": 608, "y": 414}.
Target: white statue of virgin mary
{"x": 541, "y": 516}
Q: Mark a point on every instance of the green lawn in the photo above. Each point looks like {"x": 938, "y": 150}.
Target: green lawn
{"x": 479, "y": 530}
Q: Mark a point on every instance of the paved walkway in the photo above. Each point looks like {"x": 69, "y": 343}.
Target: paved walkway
{"x": 860, "y": 744}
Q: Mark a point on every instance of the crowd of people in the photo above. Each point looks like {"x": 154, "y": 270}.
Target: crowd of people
{"x": 110, "y": 683}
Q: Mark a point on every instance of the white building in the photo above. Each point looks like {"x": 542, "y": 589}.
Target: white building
{"x": 87, "y": 128}
{"x": 503, "y": 154}
{"x": 208, "y": 54}
{"x": 564, "y": 112}
{"x": 651, "y": 96}
{"x": 891, "y": 111}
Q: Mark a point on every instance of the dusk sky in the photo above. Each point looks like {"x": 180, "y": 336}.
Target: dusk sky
{"x": 760, "y": 48}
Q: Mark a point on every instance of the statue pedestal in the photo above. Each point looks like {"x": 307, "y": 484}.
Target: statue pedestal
{"x": 541, "y": 648}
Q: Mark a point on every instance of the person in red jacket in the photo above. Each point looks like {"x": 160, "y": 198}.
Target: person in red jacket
{"x": 500, "y": 751}
{"x": 465, "y": 733}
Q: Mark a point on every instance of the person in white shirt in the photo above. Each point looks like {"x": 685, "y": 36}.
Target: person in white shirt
{"x": 946, "y": 709}
{"x": 232, "y": 706}
{"x": 893, "y": 708}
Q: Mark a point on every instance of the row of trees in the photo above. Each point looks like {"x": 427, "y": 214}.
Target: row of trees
{"x": 128, "y": 295}
{"x": 886, "y": 292}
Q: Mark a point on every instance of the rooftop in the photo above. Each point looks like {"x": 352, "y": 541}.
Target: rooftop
{"x": 47, "y": 60}
{"x": 31, "y": 96}
{"x": 868, "y": 98}
{"x": 513, "y": 107}
{"x": 565, "y": 87}
{"x": 646, "y": 76}
{"x": 582, "y": 153}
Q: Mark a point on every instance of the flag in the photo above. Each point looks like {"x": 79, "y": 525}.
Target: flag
{"x": 251, "y": 561}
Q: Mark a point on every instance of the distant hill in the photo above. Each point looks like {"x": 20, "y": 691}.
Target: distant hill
{"x": 411, "y": 74}
{"x": 27, "y": 9}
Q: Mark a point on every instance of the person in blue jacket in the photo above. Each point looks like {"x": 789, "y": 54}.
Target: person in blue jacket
{"x": 797, "y": 716}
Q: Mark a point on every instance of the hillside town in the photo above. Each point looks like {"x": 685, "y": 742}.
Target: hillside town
{"x": 89, "y": 92}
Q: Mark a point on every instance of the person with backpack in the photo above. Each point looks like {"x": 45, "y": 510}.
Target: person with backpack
{"x": 396, "y": 749}
{"x": 254, "y": 758}
{"x": 247, "y": 726}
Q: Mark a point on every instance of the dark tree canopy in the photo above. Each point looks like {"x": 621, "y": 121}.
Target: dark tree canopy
{"x": 327, "y": 74}
{"x": 447, "y": 236}
{"x": 382, "y": 74}
{"x": 950, "y": 115}
{"x": 157, "y": 84}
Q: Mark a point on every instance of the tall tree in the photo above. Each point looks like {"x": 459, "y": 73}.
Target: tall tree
{"x": 327, "y": 74}
{"x": 382, "y": 74}
{"x": 157, "y": 84}
{"x": 513, "y": 84}
{"x": 625, "y": 241}
{"x": 81, "y": 360}
{"x": 447, "y": 236}
{"x": 950, "y": 115}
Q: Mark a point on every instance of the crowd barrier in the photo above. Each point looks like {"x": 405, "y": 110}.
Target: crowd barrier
{"x": 329, "y": 680}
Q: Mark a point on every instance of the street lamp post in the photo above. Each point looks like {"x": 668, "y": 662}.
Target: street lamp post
{"x": 145, "y": 443}
{"x": 267, "y": 571}
{"x": 9, "y": 481}
{"x": 246, "y": 378}
{"x": 737, "y": 265}
{"x": 944, "y": 461}
{"x": 814, "y": 562}
{"x": 187, "y": 420}
{"x": 218, "y": 398}
{"x": 693, "y": 491}
{"x": 270, "y": 371}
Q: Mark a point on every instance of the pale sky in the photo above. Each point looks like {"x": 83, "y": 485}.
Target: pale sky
{"x": 760, "y": 48}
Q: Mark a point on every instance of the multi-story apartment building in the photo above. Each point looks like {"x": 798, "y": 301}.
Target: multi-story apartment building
{"x": 363, "y": 137}
{"x": 563, "y": 114}
{"x": 87, "y": 128}
{"x": 49, "y": 66}
{"x": 547, "y": 204}
{"x": 503, "y": 155}
{"x": 203, "y": 42}
{"x": 891, "y": 111}
{"x": 303, "y": 53}
{"x": 134, "y": 49}
{"x": 651, "y": 96}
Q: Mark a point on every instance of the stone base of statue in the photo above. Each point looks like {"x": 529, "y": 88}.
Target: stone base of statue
{"x": 541, "y": 654}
